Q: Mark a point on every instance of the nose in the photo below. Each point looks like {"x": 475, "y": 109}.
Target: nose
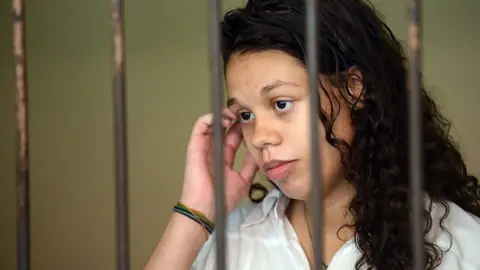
{"x": 265, "y": 135}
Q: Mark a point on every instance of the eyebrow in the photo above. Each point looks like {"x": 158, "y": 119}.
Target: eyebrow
{"x": 265, "y": 89}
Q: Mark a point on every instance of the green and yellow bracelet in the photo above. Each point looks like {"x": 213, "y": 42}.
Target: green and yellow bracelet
{"x": 196, "y": 216}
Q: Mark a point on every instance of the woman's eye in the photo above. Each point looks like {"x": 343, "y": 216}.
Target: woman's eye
{"x": 245, "y": 116}
{"x": 283, "y": 105}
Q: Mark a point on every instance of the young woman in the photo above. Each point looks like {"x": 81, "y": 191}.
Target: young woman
{"x": 363, "y": 134}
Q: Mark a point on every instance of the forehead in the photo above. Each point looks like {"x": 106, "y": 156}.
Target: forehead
{"x": 253, "y": 71}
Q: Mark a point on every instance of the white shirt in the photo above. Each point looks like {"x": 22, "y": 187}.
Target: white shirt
{"x": 259, "y": 236}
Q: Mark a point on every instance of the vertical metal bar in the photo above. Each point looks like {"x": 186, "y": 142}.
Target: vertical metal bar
{"x": 312, "y": 64}
{"x": 121, "y": 160}
{"x": 217, "y": 105}
{"x": 21, "y": 114}
{"x": 415, "y": 133}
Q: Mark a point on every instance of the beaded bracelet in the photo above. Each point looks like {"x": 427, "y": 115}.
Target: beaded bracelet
{"x": 196, "y": 216}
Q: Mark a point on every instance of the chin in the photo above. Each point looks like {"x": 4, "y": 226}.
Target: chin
{"x": 293, "y": 188}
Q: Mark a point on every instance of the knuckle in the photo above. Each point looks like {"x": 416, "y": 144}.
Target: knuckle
{"x": 206, "y": 118}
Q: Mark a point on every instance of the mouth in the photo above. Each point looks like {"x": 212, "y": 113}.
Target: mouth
{"x": 279, "y": 169}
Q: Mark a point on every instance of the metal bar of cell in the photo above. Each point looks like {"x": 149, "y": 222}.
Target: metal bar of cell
{"x": 121, "y": 156}
{"x": 312, "y": 65}
{"x": 22, "y": 143}
{"x": 217, "y": 105}
{"x": 415, "y": 133}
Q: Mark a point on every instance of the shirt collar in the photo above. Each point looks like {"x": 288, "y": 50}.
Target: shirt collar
{"x": 274, "y": 203}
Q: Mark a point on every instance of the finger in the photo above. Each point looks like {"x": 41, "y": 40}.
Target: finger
{"x": 205, "y": 122}
{"x": 233, "y": 140}
{"x": 229, "y": 152}
{"x": 225, "y": 123}
{"x": 200, "y": 139}
{"x": 229, "y": 116}
{"x": 227, "y": 112}
{"x": 249, "y": 168}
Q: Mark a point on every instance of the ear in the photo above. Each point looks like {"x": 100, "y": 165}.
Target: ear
{"x": 355, "y": 83}
{"x": 356, "y": 87}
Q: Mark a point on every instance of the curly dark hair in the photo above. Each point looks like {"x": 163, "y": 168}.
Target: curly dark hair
{"x": 351, "y": 33}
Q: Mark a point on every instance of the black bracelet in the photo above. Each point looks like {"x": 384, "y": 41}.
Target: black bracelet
{"x": 192, "y": 216}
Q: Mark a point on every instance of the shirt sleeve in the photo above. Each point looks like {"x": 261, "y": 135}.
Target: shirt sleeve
{"x": 460, "y": 242}
{"x": 205, "y": 259}
{"x": 202, "y": 261}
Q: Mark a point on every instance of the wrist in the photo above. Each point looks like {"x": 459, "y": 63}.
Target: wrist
{"x": 196, "y": 216}
{"x": 199, "y": 206}
{"x": 189, "y": 228}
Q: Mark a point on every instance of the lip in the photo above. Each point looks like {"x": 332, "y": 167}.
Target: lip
{"x": 279, "y": 169}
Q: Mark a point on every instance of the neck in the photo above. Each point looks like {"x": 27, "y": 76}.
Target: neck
{"x": 335, "y": 212}
{"x": 335, "y": 215}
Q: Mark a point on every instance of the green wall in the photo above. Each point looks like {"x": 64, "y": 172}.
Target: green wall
{"x": 69, "y": 76}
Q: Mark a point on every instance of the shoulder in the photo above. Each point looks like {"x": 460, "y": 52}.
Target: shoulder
{"x": 458, "y": 235}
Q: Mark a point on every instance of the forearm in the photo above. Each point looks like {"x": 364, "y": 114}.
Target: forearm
{"x": 179, "y": 246}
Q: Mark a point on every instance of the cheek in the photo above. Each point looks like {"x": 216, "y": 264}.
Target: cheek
{"x": 247, "y": 140}
{"x": 342, "y": 127}
{"x": 330, "y": 155}
{"x": 247, "y": 136}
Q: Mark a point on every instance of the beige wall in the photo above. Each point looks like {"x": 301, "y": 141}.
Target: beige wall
{"x": 72, "y": 201}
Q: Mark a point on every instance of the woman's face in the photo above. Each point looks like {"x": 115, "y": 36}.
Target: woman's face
{"x": 268, "y": 91}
